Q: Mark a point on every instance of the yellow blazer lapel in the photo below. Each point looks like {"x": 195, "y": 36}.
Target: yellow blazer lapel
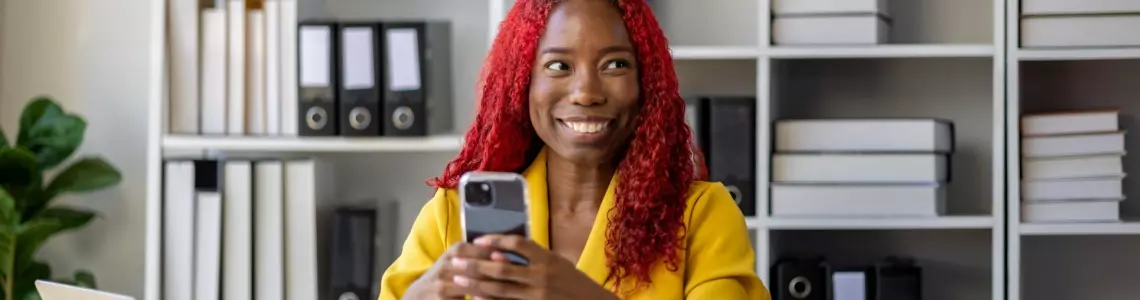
{"x": 539, "y": 208}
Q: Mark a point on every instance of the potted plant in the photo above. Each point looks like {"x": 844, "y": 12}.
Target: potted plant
{"x": 46, "y": 139}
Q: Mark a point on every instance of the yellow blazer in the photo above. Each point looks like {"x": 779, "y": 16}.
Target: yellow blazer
{"x": 719, "y": 262}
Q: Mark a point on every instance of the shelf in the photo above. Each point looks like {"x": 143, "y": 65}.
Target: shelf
{"x": 951, "y": 222}
{"x": 701, "y": 52}
{"x": 753, "y": 222}
{"x": 881, "y": 51}
{"x": 1077, "y": 54}
{"x": 1124, "y": 228}
{"x": 312, "y": 144}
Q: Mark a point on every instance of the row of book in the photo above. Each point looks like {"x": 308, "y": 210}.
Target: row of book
{"x": 861, "y": 167}
{"x": 1072, "y": 167}
{"x": 242, "y": 229}
{"x": 235, "y": 229}
{"x": 250, "y": 67}
{"x": 830, "y": 22}
{"x": 1085, "y": 23}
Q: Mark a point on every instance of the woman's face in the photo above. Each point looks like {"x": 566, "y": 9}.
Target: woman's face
{"x": 584, "y": 85}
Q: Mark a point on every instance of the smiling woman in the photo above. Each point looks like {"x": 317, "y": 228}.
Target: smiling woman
{"x": 580, "y": 97}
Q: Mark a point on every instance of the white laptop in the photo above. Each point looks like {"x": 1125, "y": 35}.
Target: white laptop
{"x": 58, "y": 291}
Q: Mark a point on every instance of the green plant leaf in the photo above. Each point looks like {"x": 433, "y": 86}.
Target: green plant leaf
{"x": 26, "y": 278}
{"x": 49, "y": 132}
{"x": 17, "y": 167}
{"x": 32, "y": 234}
{"x": 86, "y": 175}
{"x": 85, "y": 278}
{"x": 9, "y": 222}
{"x": 3, "y": 139}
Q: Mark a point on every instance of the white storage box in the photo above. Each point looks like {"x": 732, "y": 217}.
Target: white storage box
{"x": 830, "y": 30}
{"x": 1067, "y": 7}
{"x": 815, "y": 7}
{"x": 1081, "y": 31}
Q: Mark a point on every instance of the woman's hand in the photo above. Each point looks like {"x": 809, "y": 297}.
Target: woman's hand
{"x": 548, "y": 276}
{"x": 438, "y": 282}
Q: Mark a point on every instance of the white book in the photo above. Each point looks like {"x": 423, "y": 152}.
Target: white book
{"x": 870, "y": 135}
{"x": 1070, "y": 7}
{"x": 235, "y": 60}
{"x": 1106, "y": 188}
{"x": 213, "y": 77}
{"x": 859, "y": 168}
{"x": 1071, "y": 211}
{"x": 237, "y": 242}
{"x": 1073, "y": 145}
{"x": 208, "y": 245}
{"x": 1081, "y": 31}
{"x": 830, "y": 30}
{"x": 1099, "y": 121}
{"x": 796, "y": 200}
{"x": 806, "y": 7}
{"x": 256, "y": 106}
{"x": 300, "y": 230}
{"x": 183, "y": 50}
{"x": 269, "y": 230}
{"x": 289, "y": 110}
{"x": 272, "y": 67}
{"x": 1068, "y": 167}
{"x": 178, "y": 204}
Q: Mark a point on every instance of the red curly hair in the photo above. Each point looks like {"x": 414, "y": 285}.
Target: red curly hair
{"x": 646, "y": 225}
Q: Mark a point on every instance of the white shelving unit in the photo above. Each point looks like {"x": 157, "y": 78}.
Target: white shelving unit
{"x": 952, "y": 59}
{"x": 1071, "y": 261}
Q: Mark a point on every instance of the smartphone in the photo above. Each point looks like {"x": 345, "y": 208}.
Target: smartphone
{"x": 494, "y": 203}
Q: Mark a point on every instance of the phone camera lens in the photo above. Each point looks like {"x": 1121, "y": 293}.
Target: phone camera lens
{"x": 479, "y": 194}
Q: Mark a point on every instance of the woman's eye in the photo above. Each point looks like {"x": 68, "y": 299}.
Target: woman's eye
{"x": 617, "y": 64}
{"x": 558, "y": 66}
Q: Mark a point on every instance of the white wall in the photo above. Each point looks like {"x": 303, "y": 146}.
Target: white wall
{"x": 92, "y": 56}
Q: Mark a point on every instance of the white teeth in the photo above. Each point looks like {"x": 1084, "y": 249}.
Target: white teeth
{"x": 586, "y": 127}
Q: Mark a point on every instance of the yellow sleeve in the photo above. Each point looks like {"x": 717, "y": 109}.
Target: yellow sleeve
{"x": 721, "y": 263}
{"x": 426, "y": 242}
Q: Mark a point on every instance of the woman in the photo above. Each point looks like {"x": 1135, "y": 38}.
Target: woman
{"x": 580, "y": 96}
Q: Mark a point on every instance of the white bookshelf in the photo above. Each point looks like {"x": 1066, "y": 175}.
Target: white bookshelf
{"x": 1071, "y": 261}
{"x": 952, "y": 59}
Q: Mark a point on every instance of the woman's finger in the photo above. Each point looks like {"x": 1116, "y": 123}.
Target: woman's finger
{"x": 513, "y": 243}
{"x": 491, "y": 289}
{"x": 485, "y": 269}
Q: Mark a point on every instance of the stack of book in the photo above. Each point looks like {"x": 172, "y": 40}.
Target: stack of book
{"x": 861, "y": 167}
{"x": 1085, "y": 23}
{"x": 233, "y": 229}
{"x": 1072, "y": 167}
{"x": 830, "y": 22}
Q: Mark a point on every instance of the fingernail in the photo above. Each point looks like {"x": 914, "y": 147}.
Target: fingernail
{"x": 482, "y": 241}
{"x": 461, "y": 281}
{"x": 458, "y": 262}
{"x": 498, "y": 256}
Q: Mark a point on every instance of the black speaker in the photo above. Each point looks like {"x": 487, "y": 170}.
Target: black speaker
{"x": 897, "y": 278}
{"x": 351, "y": 270}
{"x": 731, "y": 138}
{"x": 800, "y": 279}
